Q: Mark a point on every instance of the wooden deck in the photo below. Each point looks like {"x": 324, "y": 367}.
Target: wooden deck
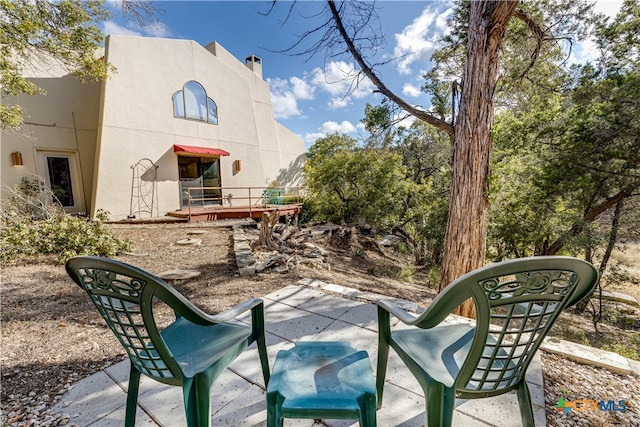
{"x": 213, "y": 213}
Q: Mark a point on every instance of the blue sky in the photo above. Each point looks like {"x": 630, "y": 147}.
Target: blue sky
{"x": 311, "y": 95}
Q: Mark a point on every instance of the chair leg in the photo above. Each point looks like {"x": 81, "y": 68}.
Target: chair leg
{"x": 197, "y": 400}
{"x": 440, "y": 404}
{"x": 367, "y": 410}
{"x": 383, "y": 353}
{"x": 381, "y": 370}
{"x": 274, "y": 415}
{"x": 132, "y": 396}
{"x": 264, "y": 360}
{"x": 524, "y": 400}
{"x": 257, "y": 327}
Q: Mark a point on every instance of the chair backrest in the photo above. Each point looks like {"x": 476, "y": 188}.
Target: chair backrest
{"x": 124, "y": 296}
{"x": 517, "y": 303}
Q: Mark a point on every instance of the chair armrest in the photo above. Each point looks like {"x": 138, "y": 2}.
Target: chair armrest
{"x": 434, "y": 314}
{"x": 398, "y": 312}
{"x": 236, "y": 311}
{"x": 199, "y": 317}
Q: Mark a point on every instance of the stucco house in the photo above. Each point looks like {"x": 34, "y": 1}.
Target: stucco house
{"x": 174, "y": 115}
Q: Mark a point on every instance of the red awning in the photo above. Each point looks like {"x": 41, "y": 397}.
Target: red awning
{"x": 200, "y": 150}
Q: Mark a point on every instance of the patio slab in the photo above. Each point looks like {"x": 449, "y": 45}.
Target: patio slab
{"x": 292, "y": 314}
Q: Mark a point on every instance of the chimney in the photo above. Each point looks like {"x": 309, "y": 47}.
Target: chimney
{"x": 254, "y": 63}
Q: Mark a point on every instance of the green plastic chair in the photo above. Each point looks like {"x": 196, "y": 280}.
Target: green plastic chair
{"x": 191, "y": 352}
{"x": 516, "y": 303}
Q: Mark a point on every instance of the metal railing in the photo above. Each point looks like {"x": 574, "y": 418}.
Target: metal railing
{"x": 264, "y": 198}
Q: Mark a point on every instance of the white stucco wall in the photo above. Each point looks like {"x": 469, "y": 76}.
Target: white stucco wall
{"x": 64, "y": 121}
{"x": 136, "y": 120}
{"x": 107, "y": 127}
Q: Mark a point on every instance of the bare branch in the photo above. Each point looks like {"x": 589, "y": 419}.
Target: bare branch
{"x": 144, "y": 12}
{"x": 367, "y": 70}
{"x": 539, "y": 35}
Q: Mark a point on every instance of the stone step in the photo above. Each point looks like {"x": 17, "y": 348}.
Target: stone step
{"x": 618, "y": 297}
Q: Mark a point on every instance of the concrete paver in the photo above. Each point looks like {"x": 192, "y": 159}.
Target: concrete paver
{"x": 292, "y": 314}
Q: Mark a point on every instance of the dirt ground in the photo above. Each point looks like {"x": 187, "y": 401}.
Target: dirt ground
{"x": 53, "y": 336}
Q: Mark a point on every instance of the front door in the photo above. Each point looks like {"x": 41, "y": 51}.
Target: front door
{"x": 196, "y": 173}
{"x": 60, "y": 171}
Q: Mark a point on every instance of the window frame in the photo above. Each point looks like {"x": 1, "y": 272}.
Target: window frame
{"x": 208, "y": 102}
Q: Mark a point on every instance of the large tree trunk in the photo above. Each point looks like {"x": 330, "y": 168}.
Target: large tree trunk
{"x": 467, "y": 222}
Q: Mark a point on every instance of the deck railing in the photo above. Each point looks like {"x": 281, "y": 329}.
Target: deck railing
{"x": 267, "y": 198}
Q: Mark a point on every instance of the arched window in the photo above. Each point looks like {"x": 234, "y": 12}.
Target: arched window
{"x": 212, "y": 110}
{"x": 192, "y": 103}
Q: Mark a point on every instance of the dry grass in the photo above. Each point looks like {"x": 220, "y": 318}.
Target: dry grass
{"x": 628, "y": 259}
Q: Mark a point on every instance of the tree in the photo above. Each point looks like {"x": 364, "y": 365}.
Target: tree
{"x": 33, "y": 30}
{"x": 576, "y": 155}
{"x": 37, "y": 31}
{"x": 426, "y": 155}
{"x": 480, "y": 27}
{"x": 350, "y": 183}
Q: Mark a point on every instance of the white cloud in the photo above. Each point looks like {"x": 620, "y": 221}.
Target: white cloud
{"x": 284, "y": 105}
{"x": 302, "y": 89}
{"x": 584, "y": 52}
{"x": 335, "y": 79}
{"x": 338, "y": 79}
{"x": 608, "y": 7}
{"x": 417, "y": 41}
{"x": 331, "y": 127}
{"x": 285, "y": 95}
{"x": 587, "y": 51}
{"x": 155, "y": 29}
{"x": 111, "y": 27}
{"x": 403, "y": 119}
{"x": 342, "y": 82}
{"x": 311, "y": 138}
{"x": 338, "y": 103}
{"x": 278, "y": 85}
{"x": 411, "y": 90}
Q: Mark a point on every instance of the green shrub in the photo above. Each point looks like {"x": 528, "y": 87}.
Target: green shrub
{"x": 62, "y": 235}
{"x": 406, "y": 273}
{"x": 309, "y": 212}
{"x": 29, "y": 227}
{"x": 622, "y": 350}
{"x": 402, "y": 248}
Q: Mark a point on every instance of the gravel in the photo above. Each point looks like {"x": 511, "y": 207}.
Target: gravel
{"x": 35, "y": 410}
{"x": 576, "y": 381}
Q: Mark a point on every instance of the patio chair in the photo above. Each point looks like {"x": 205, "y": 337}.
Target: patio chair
{"x": 516, "y": 303}
{"x": 191, "y": 352}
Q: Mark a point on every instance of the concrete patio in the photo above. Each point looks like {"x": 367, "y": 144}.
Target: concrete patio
{"x": 294, "y": 313}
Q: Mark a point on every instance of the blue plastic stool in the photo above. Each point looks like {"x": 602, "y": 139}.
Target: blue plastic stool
{"x": 322, "y": 380}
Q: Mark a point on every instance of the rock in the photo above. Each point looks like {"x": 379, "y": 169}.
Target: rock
{"x": 271, "y": 261}
{"x": 189, "y": 241}
{"x": 249, "y": 270}
{"x": 390, "y": 240}
{"x": 618, "y": 297}
{"x": 196, "y": 232}
{"x": 178, "y": 274}
{"x": 134, "y": 254}
{"x": 319, "y": 230}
